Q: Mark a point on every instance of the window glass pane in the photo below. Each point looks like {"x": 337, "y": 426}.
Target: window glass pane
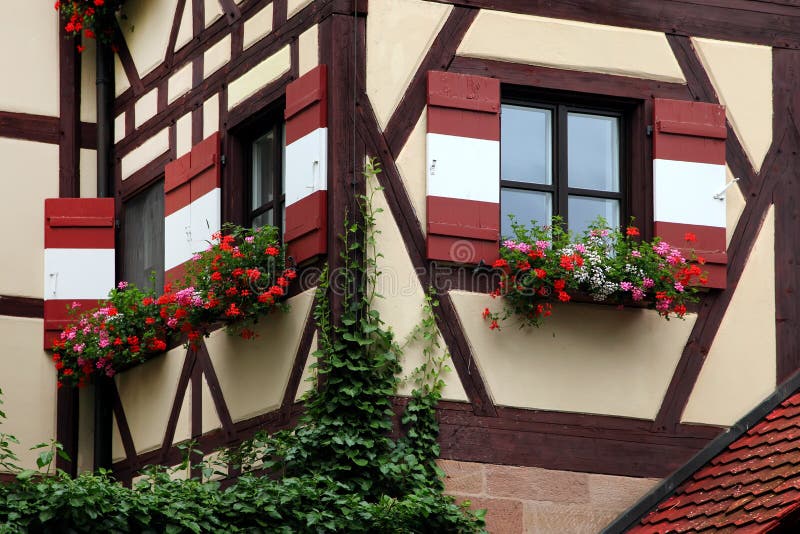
{"x": 585, "y": 210}
{"x": 263, "y": 170}
{"x": 593, "y": 152}
{"x": 144, "y": 238}
{"x": 526, "y": 144}
{"x": 264, "y": 219}
{"x": 525, "y": 206}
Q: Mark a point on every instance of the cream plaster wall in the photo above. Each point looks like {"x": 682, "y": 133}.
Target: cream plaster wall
{"x": 734, "y": 205}
{"x": 259, "y": 76}
{"x": 571, "y": 45}
{"x": 121, "y": 82}
{"x": 258, "y": 25}
{"x": 144, "y": 153}
{"x": 145, "y": 108}
{"x": 211, "y": 115}
{"x": 30, "y": 175}
{"x": 216, "y": 56}
{"x": 88, "y": 171}
{"x": 308, "y": 48}
{"x": 31, "y": 38}
{"x": 739, "y": 370}
{"x": 179, "y": 83}
{"x": 742, "y": 76}
{"x": 403, "y": 299}
{"x": 86, "y": 429}
{"x": 185, "y": 30}
{"x": 212, "y": 11}
{"x": 294, "y": 6}
{"x": 147, "y": 31}
{"x": 88, "y": 82}
{"x": 253, "y": 373}
{"x": 147, "y": 392}
{"x": 411, "y": 164}
{"x": 119, "y": 127}
{"x": 399, "y": 34}
{"x": 183, "y": 134}
{"x": 586, "y": 358}
{"x": 28, "y": 381}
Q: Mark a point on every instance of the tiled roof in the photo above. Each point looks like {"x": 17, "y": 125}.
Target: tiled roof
{"x": 751, "y": 486}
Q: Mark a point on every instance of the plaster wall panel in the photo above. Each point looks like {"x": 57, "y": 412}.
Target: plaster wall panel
{"x": 121, "y": 82}
{"x": 411, "y": 163}
{"x": 33, "y": 37}
{"x": 179, "y": 83}
{"x": 571, "y": 45}
{"x": 211, "y": 116}
{"x": 145, "y": 153}
{"x": 28, "y": 381}
{"x": 253, "y": 373}
{"x": 742, "y": 77}
{"x": 212, "y": 11}
{"x": 258, "y": 26}
{"x": 183, "y": 137}
{"x": 399, "y": 34}
{"x": 401, "y": 306}
{"x": 145, "y": 108}
{"x": 147, "y": 30}
{"x": 30, "y": 175}
{"x": 147, "y": 392}
{"x": 294, "y": 6}
{"x": 210, "y": 419}
{"x": 734, "y": 206}
{"x": 306, "y": 382}
{"x": 259, "y": 76}
{"x": 586, "y": 358}
{"x": 88, "y": 170}
{"x": 216, "y": 56}
{"x": 308, "y": 46}
{"x": 119, "y": 127}
{"x": 185, "y": 31}
{"x": 88, "y": 86}
{"x": 739, "y": 370}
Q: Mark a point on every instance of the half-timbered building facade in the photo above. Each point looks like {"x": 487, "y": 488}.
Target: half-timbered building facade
{"x": 680, "y": 113}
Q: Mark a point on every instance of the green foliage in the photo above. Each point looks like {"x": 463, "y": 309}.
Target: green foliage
{"x": 339, "y": 470}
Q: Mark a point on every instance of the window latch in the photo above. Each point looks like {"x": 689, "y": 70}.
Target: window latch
{"x": 188, "y": 230}
{"x": 721, "y": 194}
{"x": 53, "y": 283}
{"x": 433, "y": 168}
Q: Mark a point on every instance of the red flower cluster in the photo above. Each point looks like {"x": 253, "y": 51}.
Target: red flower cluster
{"x": 83, "y": 16}
{"x": 234, "y": 282}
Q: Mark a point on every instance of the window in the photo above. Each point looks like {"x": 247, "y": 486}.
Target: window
{"x": 558, "y": 158}
{"x": 143, "y": 238}
{"x": 264, "y": 163}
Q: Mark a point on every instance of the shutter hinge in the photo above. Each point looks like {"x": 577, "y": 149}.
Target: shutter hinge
{"x": 222, "y": 160}
{"x": 649, "y": 130}
{"x": 116, "y": 224}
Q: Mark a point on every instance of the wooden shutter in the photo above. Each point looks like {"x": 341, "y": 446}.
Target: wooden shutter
{"x": 307, "y": 165}
{"x": 78, "y": 258}
{"x": 688, "y": 171}
{"x": 463, "y": 168}
{"x": 192, "y": 204}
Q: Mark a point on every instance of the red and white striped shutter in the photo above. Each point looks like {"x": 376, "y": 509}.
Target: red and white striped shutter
{"x": 78, "y": 257}
{"x": 192, "y": 204}
{"x": 307, "y": 165}
{"x": 688, "y": 172}
{"x": 463, "y": 168}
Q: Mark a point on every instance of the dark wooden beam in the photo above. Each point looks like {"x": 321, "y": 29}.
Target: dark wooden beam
{"x": 122, "y": 423}
{"x": 439, "y": 56}
{"x": 13, "y": 306}
{"x": 749, "y": 21}
{"x": 173, "y": 33}
{"x": 300, "y": 360}
{"x": 67, "y": 427}
{"x": 69, "y": 118}
{"x": 204, "y": 361}
{"x": 180, "y": 392}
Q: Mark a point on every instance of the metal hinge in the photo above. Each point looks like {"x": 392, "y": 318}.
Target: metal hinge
{"x": 649, "y": 130}
{"x": 222, "y": 160}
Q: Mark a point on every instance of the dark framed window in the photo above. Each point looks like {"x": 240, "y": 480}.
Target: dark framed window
{"x": 143, "y": 238}
{"x": 565, "y": 157}
{"x": 265, "y": 165}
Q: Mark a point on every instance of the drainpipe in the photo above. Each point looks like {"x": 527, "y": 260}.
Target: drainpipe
{"x": 105, "y": 144}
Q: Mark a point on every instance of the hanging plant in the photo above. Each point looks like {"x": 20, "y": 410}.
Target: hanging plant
{"x": 545, "y": 265}
{"x": 91, "y": 18}
{"x": 240, "y": 278}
